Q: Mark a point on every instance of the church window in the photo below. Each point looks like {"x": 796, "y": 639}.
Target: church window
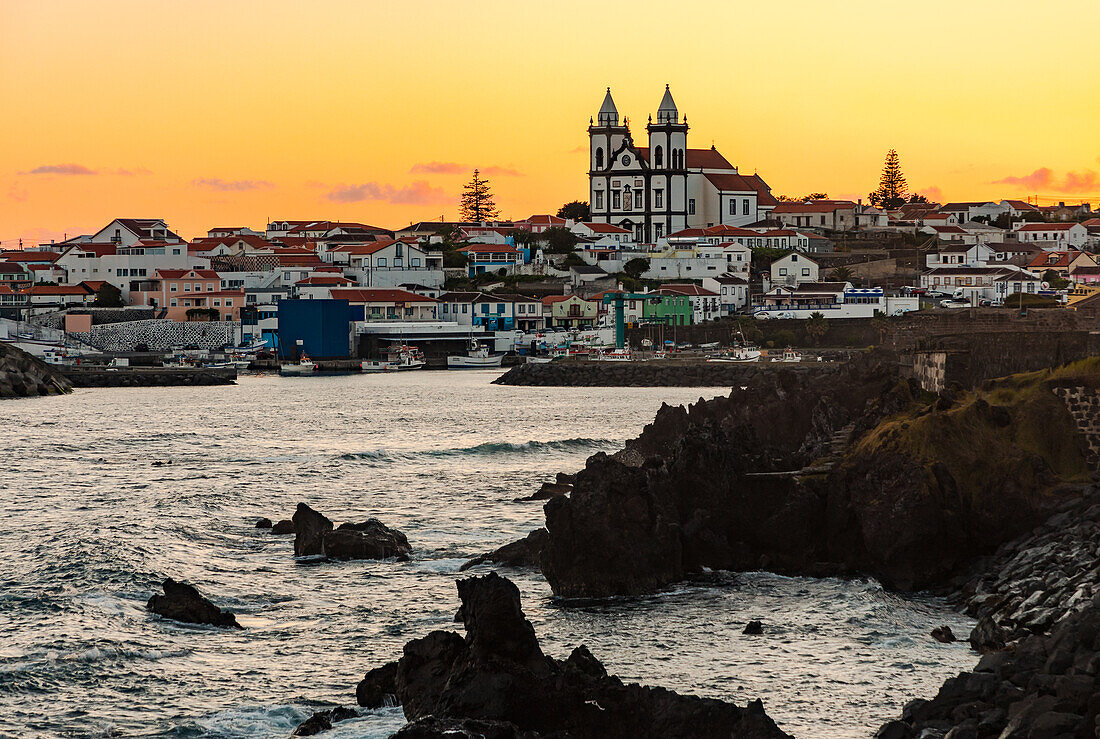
{"x": 598, "y": 200}
{"x": 658, "y": 157}
{"x": 733, "y": 207}
{"x": 638, "y": 201}
{"x": 658, "y": 198}
{"x": 691, "y": 206}
{"x": 626, "y": 160}
{"x": 616, "y": 200}
{"x": 745, "y": 207}
{"x": 658, "y": 230}
{"x": 599, "y": 158}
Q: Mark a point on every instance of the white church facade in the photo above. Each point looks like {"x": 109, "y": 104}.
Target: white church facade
{"x": 664, "y": 187}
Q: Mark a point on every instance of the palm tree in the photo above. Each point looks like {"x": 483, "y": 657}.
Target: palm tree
{"x": 817, "y": 325}
{"x": 842, "y": 274}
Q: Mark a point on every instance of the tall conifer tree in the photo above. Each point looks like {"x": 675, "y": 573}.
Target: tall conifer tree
{"x": 477, "y": 200}
{"x": 892, "y": 187}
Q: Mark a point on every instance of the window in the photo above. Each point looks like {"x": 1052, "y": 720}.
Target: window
{"x": 822, "y": 220}
{"x": 598, "y": 200}
{"x": 217, "y": 303}
{"x": 172, "y": 287}
{"x": 782, "y": 271}
{"x": 805, "y": 271}
{"x": 464, "y": 307}
{"x": 599, "y": 158}
{"x": 691, "y": 206}
{"x": 626, "y": 160}
{"x": 658, "y": 157}
{"x": 658, "y": 230}
{"x": 173, "y": 302}
{"x": 187, "y": 287}
{"x": 229, "y": 302}
{"x": 616, "y": 200}
{"x": 414, "y": 262}
{"x": 210, "y": 287}
{"x": 176, "y": 252}
{"x": 381, "y": 262}
{"x": 745, "y": 207}
{"x": 638, "y": 200}
{"x": 733, "y": 207}
{"x": 658, "y": 198}
{"x": 397, "y": 262}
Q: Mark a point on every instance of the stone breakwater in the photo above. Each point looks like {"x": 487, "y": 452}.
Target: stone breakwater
{"x": 148, "y": 376}
{"x": 656, "y": 373}
{"x": 23, "y": 375}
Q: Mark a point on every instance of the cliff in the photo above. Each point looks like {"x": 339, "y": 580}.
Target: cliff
{"x": 23, "y": 375}
{"x": 851, "y": 472}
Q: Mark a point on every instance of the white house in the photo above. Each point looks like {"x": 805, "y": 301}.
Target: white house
{"x": 831, "y": 299}
{"x": 1058, "y": 235}
{"x": 738, "y": 258}
{"x": 969, "y": 211}
{"x": 129, "y": 231}
{"x": 387, "y": 304}
{"x": 949, "y": 255}
{"x": 388, "y": 263}
{"x": 732, "y": 290}
{"x": 1017, "y": 208}
{"x": 604, "y": 235}
{"x": 978, "y": 282}
{"x": 793, "y": 269}
{"x": 124, "y": 263}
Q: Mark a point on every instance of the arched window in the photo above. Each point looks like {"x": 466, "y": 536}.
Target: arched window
{"x": 599, "y": 158}
{"x": 658, "y": 157}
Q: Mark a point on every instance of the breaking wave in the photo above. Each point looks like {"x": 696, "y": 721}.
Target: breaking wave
{"x": 487, "y": 449}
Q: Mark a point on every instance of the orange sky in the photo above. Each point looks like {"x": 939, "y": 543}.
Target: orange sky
{"x": 224, "y": 113}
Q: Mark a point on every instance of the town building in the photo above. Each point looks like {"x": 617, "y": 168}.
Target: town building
{"x": 732, "y": 290}
{"x": 1058, "y": 235}
{"x": 389, "y": 304}
{"x": 793, "y": 269}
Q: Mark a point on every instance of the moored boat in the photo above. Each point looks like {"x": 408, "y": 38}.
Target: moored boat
{"x": 304, "y": 366}
{"x": 477, "y": 356}
{"x": 788, "y": 355}
{"x": 396, "y": 359}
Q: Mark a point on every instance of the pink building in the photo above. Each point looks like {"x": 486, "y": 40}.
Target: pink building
{"x": 178, "y": 291}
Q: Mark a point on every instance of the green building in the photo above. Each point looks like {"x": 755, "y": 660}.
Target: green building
{"x": 671, "y": 310}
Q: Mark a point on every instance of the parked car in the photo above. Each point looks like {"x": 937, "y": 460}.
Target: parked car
{"x": 955, "y": 303}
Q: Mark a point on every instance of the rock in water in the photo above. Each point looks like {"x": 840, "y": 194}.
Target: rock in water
{"x": 378, "y": 688}
{"x": 987, "y": 636}
{"x": 286, "y": 526}
{"x": 753, "y": 627}
{"x": 181, "y": 602}
{"x": 323, "y": 721}
{"x": 310, "y": 528}
{"x": 943, "y": 634}
{"x": 368, "y": 540}
{"x": 263, "y": 523}
{"x": 522, "y": 553}
{"x": 497, "y": 683}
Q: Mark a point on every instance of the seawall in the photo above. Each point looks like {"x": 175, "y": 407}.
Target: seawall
{"x": 148, "y": 376}
{"x": 658, "y": 373}
{"x": 23, "y": 375}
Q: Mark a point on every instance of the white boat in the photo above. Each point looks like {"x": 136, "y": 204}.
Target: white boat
{"x": 788, "y": 355}
{"x": 396, "y": 359}
{"x": 709, "y": 345}
{"x": 615, "y": 355}
{"x": 539, "y": 360}
{"x": 747, "y": 353}
{"x": 477, "y": 356}
{"x": 304, "y": 366}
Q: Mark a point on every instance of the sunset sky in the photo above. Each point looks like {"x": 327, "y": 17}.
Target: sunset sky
{"x": 230, "y": 113}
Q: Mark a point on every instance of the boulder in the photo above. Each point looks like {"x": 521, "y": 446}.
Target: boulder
{"x": 943, "y": 634}
{"x": 181, "y": 602}
{"x": 547, "y": 491}
{"x": 378, "y": 688}
{"x": 522, "y": 553}
{"x": 310, "y": 528}
{"x": 368, "y": 540}
{"x": 497, "y": 682}
{"x": 753, "y": 627}
{"x": 263, "y": 523}
{"x": 323, "y": 721}
{"x": 286, "y": 526}
{"x": 987, "y": 636}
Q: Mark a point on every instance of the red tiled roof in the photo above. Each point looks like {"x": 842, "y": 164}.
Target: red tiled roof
{"x": 380, "y": 295}
{"x": 100, "y": 250}
{"x": 29, "y": 256}
{"x": 60, "y": 290}
{"x": 1046, "y": 226}
{"x": 176, "y": 274}
{"x": 490, "y": 249}
{"x": 606, "y": 228}
{"x": 1054, "y": 258}
{"x": 697, "y": 158}
{"x": 686, "y": 290}
{"x": 323, "y": 280}
{"x": 544, "y": 220}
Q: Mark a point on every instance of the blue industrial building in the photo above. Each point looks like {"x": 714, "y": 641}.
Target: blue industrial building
{"x": 323, "y": 327}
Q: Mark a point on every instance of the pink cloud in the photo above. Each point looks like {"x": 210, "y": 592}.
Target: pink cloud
{"x": 502, "y": 171}
{"x": 416, "y": 193}
{"x": 1042, "y": 177}
{"x": 933, "y": 193}
{"x": 214, "y": 183}
{"x": 438, "y": 168}
{"x": 1085, "y": 181}
{"x": 65, "y": 169}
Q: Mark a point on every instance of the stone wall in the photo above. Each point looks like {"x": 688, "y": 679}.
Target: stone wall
{"x": 23, "y": 375}
{"x": 657, "y": 373}
{"x": 161, "y": 335}
{"x": 1084, "y": 405}
{"x": 930, "y": 370}
{"x": 99, "y": 316}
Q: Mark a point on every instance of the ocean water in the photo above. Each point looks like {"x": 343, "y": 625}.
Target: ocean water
{"x": 93, "y": 524}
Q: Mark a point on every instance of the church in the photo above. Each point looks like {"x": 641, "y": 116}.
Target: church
{"x": 664, "y": 186}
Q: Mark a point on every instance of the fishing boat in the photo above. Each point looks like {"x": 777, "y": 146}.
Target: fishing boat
{"x": 615, "y": 355}
{"x": 477, "y": 356}
{"x": 709, "y": 345}
{"x": 747, "y": 353}
{"x": 788, "y": 355}
{"x": 532, "y": 359}
{"x": 396, "y": 359}
{"x": 304, "y": 366}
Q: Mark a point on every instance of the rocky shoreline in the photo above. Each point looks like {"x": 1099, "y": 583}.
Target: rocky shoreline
{"x": 663, "y": 373}
{"x": 23, "y": 375}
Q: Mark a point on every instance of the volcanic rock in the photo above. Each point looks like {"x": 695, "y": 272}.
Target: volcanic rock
{"x": 496, "y": 681}
{"x": 943, "y": 634}
{"x": 522, "y": 553}
{"x": 379, "y": 687}
{"x": 547, "y": 491}
{"x": 368, "y": 540}
{"x": 286, "y": 526}
{"x": 263, "y": 523}
{"x": 987, "y": 636}
{"x": 323, "y": 721}
{"x": 753, "y": 627}
{"x": 310, "y": 528}
{"x": 181, "y": 602}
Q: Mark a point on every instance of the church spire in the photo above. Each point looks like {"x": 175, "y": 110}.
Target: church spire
{"x": 667, "y": 113}
{"x": 609, "y": 114}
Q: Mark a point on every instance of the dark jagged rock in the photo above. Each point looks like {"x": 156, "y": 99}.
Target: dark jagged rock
{"x": 497, "y": 682}
{"x": 181, "y": 602}
{"x": 753, "y": 627}
{"x": 522, "y": 553}
{"x": 845, "y": 475}
{"x": 547, "y": 491}
{"x": 323, "y": 721}
{"x": 1045, "y": 686}
{"x": 263, "y": 523}
{"x": 368, "y": 540}
{"x": 25, "y": 375}
{"x": 987, "y": 636}
{"x": 286, "y": 526}
{"x": 310, "y": 528}
{"x": 943, "y": 634}
{"x": 378, "y": 688}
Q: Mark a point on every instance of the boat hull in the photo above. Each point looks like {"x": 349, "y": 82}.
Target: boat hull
{"x": 376, "y": 367}
{"x": 454, "y": 362}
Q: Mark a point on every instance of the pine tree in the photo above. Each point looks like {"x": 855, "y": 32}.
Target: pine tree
{"x": 477, "y": 200}
{"x": 892, "y": 187}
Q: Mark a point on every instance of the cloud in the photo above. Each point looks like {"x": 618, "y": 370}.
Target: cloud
{"x": 416, "y": 193}
{"x": 1042, "y": 177}
{"x": 438, "y": 168}
{"x": 502, "y": 171}
{"x": 215, "y": 183}
{"x": 933, "y": 193}
{"x": 1085, "y": 181}
{"x": 66, "y": 169}
{"x": 17, "y": 193}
